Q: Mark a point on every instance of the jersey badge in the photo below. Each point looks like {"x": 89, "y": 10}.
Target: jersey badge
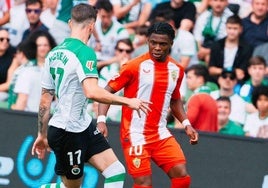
{"x": 174, "y": 75}
{"x": 137, "y": 162}
{"x": 89, "y": 65}
{"x": 75, "y": 170}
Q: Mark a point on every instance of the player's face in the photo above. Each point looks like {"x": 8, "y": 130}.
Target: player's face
{"x": 159, "y": 46}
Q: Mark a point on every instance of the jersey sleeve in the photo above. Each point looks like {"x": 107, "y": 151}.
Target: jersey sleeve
{"x": 176, "y": 93}
{"x": 122, "y": 79}
{"x": 88, "y": 64}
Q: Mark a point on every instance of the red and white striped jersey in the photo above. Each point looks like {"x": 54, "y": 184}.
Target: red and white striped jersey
{"x": 153, "y": 81}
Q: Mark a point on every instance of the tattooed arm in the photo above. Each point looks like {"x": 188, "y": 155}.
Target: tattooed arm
{"x": 44, "y": 110}
{"x": 40, "y": 145}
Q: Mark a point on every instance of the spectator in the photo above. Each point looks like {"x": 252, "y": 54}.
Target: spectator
{"x": 231, "y": 52}
{"x": 140, "y": 41}
{"x": 257, "y": 122}
{"x": 256, "y": 70}
{"x": 210, "y": 26}
{"x": 225, "y": 125}
{"x": 25, "y": 57}
{"x": 156, "y": 77}
{"x": 183, "y": 12}
{"x": 27, "y": 89}
{"x": 242, "y": 8}
{"x": 184, "y": 48}
{"x": 48, "y": 14}
{"x": 201, "y": 107}
{"x": 227, "y": 82}
{"x": 18, "y": 22}
{"x": 108, "y": 70}
{"x": 110, "y": 67}
{"x": 133, "y": 13}
{"x": 261, "y": 50}
{"x": 201, "y": 5}
{"x": 44, "y": 42}
{"x": 7, "y": 53}
{"x": 255, "y": 25}
{"x": 60, "y": 29}
{"x": 108, "y": 29}
{"x": 33, "y": 12}
{"x": 4, "y": 12}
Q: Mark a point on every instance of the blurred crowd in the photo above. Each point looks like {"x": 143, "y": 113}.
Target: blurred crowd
{"x": 221, "y": 44}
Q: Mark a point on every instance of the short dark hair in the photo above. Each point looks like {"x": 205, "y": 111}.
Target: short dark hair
{"x": 199, "y": 70}
{"x": 224, "y": 98}
{"x": 126, "y": 41}
{"x": 162, "y": 28}
{"x": 105, "y": 5}
{"x": 234, "y": 19}
{"x": 257, "y": 60}
{"x": 83, "y": 12}
{"x": 30, "y": 2}
{"x": 257, "y": 92}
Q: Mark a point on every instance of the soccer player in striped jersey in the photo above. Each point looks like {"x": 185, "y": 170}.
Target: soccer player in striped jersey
{"x": 156, "y": 77}
{"x": 71, "y": 74}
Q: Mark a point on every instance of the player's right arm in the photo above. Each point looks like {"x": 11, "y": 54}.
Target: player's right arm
{"x": 96, "y": 93}
{"x": 40, "y": 145}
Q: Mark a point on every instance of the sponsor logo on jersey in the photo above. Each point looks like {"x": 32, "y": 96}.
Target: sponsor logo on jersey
{"x": 137, "y": 162}
{"x": 89, "y": 65}
{"x": 146, "y": 71}
{"x": 76, "y": 170}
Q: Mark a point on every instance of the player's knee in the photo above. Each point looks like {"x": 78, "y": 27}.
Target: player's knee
{"x": 115, "y": 169}
{"x": 178, "y": 171}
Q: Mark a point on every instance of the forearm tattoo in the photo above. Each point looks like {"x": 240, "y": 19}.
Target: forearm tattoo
{"x": 43, "y": 114}
{"x": 49, "y": 91}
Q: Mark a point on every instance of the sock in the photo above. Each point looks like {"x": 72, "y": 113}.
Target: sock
{"x": 142, "y": 186}
{"x": 182, "y": 182}
{"x": 114, "y": 175}
{"x": 53, "y": 185}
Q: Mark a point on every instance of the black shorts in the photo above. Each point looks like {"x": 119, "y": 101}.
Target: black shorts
{"x": 72, "y": 150}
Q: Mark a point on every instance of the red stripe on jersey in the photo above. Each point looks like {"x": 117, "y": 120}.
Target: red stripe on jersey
{"x": 157, "y": 82}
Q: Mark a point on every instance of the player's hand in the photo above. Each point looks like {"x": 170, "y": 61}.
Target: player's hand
{"x": 103, "y": 128}
{"x": 40, "y": 147}
{"x": 140, "y": 105}
{"x": 192, "y": 133}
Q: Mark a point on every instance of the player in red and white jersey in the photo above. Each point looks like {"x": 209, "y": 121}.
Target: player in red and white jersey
{"x": 156, "y": 77}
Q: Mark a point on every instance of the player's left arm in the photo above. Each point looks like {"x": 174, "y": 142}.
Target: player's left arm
{"x": 178, "y": 111}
